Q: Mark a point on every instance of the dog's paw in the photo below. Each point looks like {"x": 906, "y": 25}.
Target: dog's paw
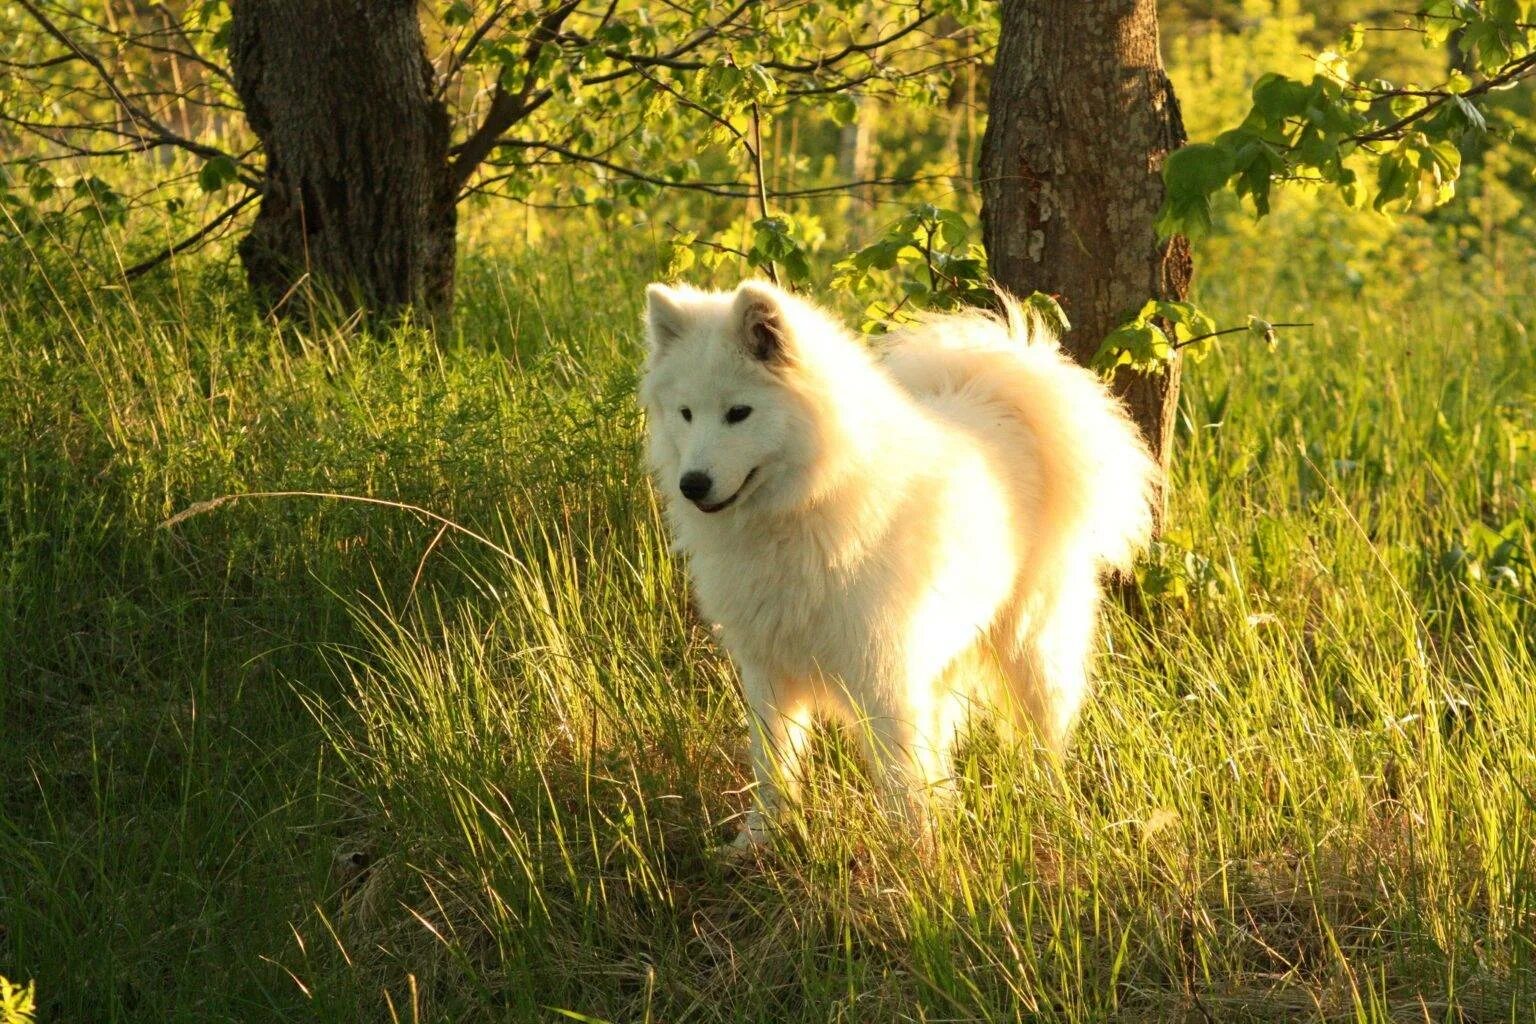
{"x": 753, "y": 837}
{"x": 749, "y": 842}
{"x": 745, "y": 847}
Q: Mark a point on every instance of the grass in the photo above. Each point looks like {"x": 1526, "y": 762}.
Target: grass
{"x": 308, "y": 759}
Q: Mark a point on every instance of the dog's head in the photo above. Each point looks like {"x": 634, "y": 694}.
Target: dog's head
{"x": 728, "y": 422}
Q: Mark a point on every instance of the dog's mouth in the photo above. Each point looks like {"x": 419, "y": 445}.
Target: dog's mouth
{"x": 728, "y": 502}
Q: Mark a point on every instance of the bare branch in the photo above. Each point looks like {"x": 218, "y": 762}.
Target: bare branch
{"x": 727, "y": 189}
{"x": 851, "y": 49}
{"x": 705, "y": 243}
{"x": 142, "y": 43}
{"x": 143, "y": 267}
{"x": 186, "y": 37}
{"x": 674, "y": 59}
{"x": 850, "y": 84}
{"x": 1230, "y": 330}
{"x": 45, "y": 131}
{"x": 39, "y": 65}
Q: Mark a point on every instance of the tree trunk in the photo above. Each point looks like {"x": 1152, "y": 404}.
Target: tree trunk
{"x": 358, "y": 204}
{"x": 1081, "y": 117}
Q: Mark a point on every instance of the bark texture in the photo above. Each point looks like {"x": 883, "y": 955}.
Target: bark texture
{"x": 1082, "y": 116}
{"x": 358, "y": 200}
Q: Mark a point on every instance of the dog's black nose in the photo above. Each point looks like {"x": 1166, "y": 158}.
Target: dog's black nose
{"x": 695, "y": 485}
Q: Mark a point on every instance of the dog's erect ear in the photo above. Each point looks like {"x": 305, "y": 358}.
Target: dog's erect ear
{"x": 664, "y": 316}
{"x": 760, "y": 314}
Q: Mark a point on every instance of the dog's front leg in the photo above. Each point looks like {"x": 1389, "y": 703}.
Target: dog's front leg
{"x": 778, "y": 728}
{"x": 907, "y": 736}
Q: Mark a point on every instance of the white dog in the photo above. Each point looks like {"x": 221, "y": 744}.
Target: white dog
{"x": 891, "y": 537}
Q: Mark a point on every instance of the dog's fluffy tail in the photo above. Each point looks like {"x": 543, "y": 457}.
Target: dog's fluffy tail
{"x": 1098, "y": 480}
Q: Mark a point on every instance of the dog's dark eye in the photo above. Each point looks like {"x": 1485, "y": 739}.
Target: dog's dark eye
{"x": 687, "y": 414}
{"x": 737, "y": 413}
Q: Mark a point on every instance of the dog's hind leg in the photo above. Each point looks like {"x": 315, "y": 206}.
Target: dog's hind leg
{"x": 1047, "y": 666}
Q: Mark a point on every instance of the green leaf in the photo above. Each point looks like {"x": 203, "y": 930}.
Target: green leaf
{"x": 953, "y": 229}
{"x": 842, "y": 108}
{"x": 1396, "y": 181}
{"x": 682, "y": 259}
{"x": 1190, "y": 175}
{"x": 796, "y": 267}
{"x": 216, "y": 173}
{"x": 1470, "y": 115}
{"x": 1438, "y": 20}
{"x": 1278, "y": 97}
{"x": 1141, "y": 346}
{"x": 881, "y": 255}
{"x": 614, "y": 34}
{"x": 40, "y": 182}
{"x": 1049, "y": 311}
{"x": 760, "y": 82}
{"x": 1353, "y": 40}
{"x": 1190, "y": 217}
{"x": 1189, "y": 320}
{"x": 108, "y": 204}
{"x": 1198, "y": 169}
{"x": 1332, "y": 65}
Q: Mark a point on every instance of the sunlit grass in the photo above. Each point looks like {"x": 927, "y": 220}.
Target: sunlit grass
{"x": 300, "y": 758}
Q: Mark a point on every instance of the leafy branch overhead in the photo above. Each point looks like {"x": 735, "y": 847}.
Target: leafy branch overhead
{"x": 1377, "y": 143}
{"x": 548, "y": 101}
{"x": 926, "y": 257}
{"x": 610, "y": 93}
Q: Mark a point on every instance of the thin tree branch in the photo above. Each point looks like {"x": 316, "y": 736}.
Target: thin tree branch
{"x": 853, "y": 48}
{"x": 457, "y": 61}
{"x": 39, "y": 65}
{"x": 506, "y": 109}
{"x": 138, "y": 116}
{"x": 708, "y": 244}
{"x": 755, "y": 151}
{"x": 671, "y": 57}
{"x": 726, "y": 189}
{"x": 1522, "y": 68}
{"x": 850, "y": 84}
{"x": 144, "y": 266}
{"x": 141, "y": 43}
{"x": 186, "y": 37}
{"x": 136, "y": 143}
{"x": 1217, "y": 334}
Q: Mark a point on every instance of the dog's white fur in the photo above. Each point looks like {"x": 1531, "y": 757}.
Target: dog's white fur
{"x": 911, "y": 531}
